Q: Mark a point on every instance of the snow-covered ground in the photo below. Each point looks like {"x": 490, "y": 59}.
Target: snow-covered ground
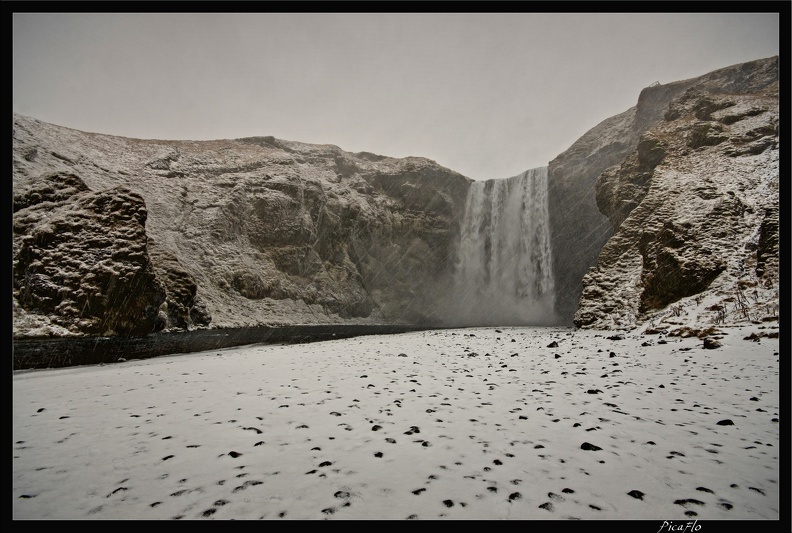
{"x": 479, "y": 423}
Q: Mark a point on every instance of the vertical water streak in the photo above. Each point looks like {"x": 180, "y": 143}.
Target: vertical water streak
{"x": 503, "y": 274}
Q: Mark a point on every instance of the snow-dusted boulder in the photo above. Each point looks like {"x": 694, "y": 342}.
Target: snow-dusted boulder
{"x": 81, "y": 259}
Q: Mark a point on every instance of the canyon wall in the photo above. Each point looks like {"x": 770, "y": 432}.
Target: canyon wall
{"x": 578, "y": 227}
{"x": 229, "y": 233}
{"x": 694, "y": 211}
{"x": 666, "y": 214}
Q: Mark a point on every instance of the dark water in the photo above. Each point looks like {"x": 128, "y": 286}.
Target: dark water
{"x": 62, "y": 352}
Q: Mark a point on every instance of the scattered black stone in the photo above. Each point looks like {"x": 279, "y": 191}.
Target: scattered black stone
{"x": 651, "y": 442}
{"x": 538, "y": 446}
{"x": 593, "y": 391}
{"x": 553, "y": 344}
{"x": 154, "y": 504}
{"x": 547, "y": 506}
{"x": 425, "y": 444}
{"x": 329, "y": 510}
{"x": 514, "y": 496}
{"x": 419, "y": 491}
{"x": 234, "y": 454}
{"x": 281, "y": 514}
{"x": 691, "y": 513}
{"x": 497, "y": 462}
{"x": 378, "y": 454}
{"x": 492, "y": 489}
{"x": 25, "y": 496}
{"x": 376, "y": 427}
{"x": 576, "y": 425}
{"x": 760, "y": 491}
{"x": 221, "y": 503}
{"x": 40, "y": 410}
{"x": 616, "y": 338}
{"x": 62, "y": 417}
{"x": 167, "y": 457}
{"x": 341, "y": 494}
{"x": 646, "y": 343}
{"x": 257, "y": 430}
{"x": 589, "y": 447}
{"x": 595, "y": 507}
{"x": 726, "y": 505}
{"x": 402, "y": 355}
{"x": 612, "y": 354}
{"x": 311, "y": 472}
{"x": 725, "y": 422}
{"x": 557, "y": 356}
{"x": 567, "y": 491}
{"x": 210, "y": 512}
{"x": 637, "y": 494}
{"x": 711, "y": 344}
{"x": 687, "y": 501}
{"x": 448, "y": 503}
{"x": 392, "y": 441}
{"x": 705, "y": 489}
{"x": 325, "y": 463}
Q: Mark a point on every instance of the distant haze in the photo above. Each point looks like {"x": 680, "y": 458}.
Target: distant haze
{"x": 487, "y": 95}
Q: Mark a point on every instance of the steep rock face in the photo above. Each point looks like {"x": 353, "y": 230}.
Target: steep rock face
{"x": 264, "y": 231}
{"x": 80, "y": 258}
{"x": 694, "y": 209}
{"x": 576, "y": 191}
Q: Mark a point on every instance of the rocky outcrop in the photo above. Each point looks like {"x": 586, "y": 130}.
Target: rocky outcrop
{"x": 583, "y": 181}
{"x": 694, "y": 212}
{"x": 238, "y": 232}
{"x": 81, "y": 259}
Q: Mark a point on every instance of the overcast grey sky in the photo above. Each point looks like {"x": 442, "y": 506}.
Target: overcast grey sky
{"x": 487, "y": 95}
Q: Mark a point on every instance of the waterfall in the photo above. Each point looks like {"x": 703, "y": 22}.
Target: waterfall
{"x": 503, "y": 273}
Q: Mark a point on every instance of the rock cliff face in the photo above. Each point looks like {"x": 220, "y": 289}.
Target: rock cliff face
{"x": 666, "y": 214}
{"x": 232, "y": 233}
{"x": 694, "y": 212}
{"x": 578, "y": 227}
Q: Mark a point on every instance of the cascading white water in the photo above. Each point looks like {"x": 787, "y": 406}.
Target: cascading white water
{"x": 503, "y": 274}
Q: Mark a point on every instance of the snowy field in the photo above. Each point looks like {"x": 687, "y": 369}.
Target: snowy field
{"x": 474, "y": 424}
